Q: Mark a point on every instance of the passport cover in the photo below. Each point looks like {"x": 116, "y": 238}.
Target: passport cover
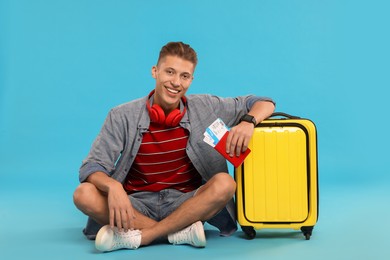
{"x": 235, "y": 160}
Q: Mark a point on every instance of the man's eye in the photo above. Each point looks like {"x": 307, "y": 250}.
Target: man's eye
{"x": 170, "y": 72}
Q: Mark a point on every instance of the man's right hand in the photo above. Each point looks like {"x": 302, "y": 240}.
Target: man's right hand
{"x": 121, "y": 212}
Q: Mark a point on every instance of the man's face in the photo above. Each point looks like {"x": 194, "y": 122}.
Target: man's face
{"x": 173, "y": 78}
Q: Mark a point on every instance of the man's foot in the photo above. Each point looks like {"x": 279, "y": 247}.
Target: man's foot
{"x": 193, "y": 235}
{"x": 109, "y": 239}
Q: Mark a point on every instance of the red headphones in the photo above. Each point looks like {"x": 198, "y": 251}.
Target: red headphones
{"x": 157, "y": 114}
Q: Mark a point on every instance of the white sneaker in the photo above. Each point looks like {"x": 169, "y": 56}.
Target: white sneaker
{"x": 193, "y": 235}
{"x": 109, "y": 239}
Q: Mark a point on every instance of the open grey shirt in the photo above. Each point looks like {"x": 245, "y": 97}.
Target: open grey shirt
{"x": 117, "y": 144}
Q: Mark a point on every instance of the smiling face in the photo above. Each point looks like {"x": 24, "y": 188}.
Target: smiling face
{"x": 173, "y": 78}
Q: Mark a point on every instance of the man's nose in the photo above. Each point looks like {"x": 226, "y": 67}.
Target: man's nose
{"x": 176, "y": 81}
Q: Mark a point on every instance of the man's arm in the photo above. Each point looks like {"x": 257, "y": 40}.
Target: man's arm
{"x": 261, "y": 110}
{"x": 121, "y": 212}
{"x": 240, "y": 135}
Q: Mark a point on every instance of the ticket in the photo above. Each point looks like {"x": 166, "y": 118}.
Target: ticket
{"x": 215, "y": 132}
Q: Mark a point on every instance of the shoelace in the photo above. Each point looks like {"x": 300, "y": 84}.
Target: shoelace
{"x": 183, "y": 236}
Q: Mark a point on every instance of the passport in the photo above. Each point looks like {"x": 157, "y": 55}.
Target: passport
{"x": 216, "y": 135}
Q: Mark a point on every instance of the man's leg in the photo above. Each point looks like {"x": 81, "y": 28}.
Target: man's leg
{"x": 207, "y": 202}
{"x": 93, "y": 203}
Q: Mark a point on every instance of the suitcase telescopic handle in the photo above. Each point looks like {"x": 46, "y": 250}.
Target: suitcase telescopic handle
{"x": 284, "y": 115}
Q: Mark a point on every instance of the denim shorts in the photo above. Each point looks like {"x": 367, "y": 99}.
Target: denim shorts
{"x": 159, "y": 205}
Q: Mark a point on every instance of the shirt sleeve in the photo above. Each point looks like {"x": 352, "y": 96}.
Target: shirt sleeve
{"x": 253, "y": 99}
{"x": 230, "y": 110}
{"x": 106, "y": 149}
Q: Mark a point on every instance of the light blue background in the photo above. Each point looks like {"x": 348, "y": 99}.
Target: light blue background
{"x": 64, "y": 64}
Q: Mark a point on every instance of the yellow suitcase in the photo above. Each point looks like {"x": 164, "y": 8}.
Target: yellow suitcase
{"x": 277, "y": 184}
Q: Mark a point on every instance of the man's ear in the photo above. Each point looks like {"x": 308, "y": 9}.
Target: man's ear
{"x": 154, "y": 72}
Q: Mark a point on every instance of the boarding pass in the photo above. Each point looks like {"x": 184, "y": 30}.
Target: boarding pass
{"x": 215, "y": 132}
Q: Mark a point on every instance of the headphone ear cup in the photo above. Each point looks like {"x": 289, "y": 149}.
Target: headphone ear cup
{"x": 173, "y": 119}
{"x": 157, "y": 114}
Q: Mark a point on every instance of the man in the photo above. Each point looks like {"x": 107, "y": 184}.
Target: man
{"x": 149, "y": 174}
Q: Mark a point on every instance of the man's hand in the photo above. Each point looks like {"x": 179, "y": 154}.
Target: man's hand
{"x": 240, "y": 135}
{"x": 120, "y": 209}
{"x": 121, "y": 212}
{"x": 238, "y": 139}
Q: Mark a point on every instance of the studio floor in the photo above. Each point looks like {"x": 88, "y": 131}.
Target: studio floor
{"x": 39, "y": 221}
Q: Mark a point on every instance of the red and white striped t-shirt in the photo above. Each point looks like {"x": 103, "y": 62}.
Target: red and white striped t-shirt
{"x": 162, "y": 162}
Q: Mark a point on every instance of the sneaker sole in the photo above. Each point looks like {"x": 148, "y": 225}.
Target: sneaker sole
{"x": 200, "y": 235}
{"x": 104, "y": 237}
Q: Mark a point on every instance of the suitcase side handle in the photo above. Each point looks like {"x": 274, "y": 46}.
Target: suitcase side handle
{"x": 275, "y": 114}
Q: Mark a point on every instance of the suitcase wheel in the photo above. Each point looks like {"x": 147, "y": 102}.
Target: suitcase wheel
{"x": 307, "y": 231}
{"x": 249, "y": 231}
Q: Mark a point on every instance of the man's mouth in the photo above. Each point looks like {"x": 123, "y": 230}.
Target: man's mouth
{"x": 173, "y": 91}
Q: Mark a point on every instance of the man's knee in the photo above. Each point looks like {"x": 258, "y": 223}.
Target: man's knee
{"x": 83, "y": 194}
{"x": 224, "y": 186}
